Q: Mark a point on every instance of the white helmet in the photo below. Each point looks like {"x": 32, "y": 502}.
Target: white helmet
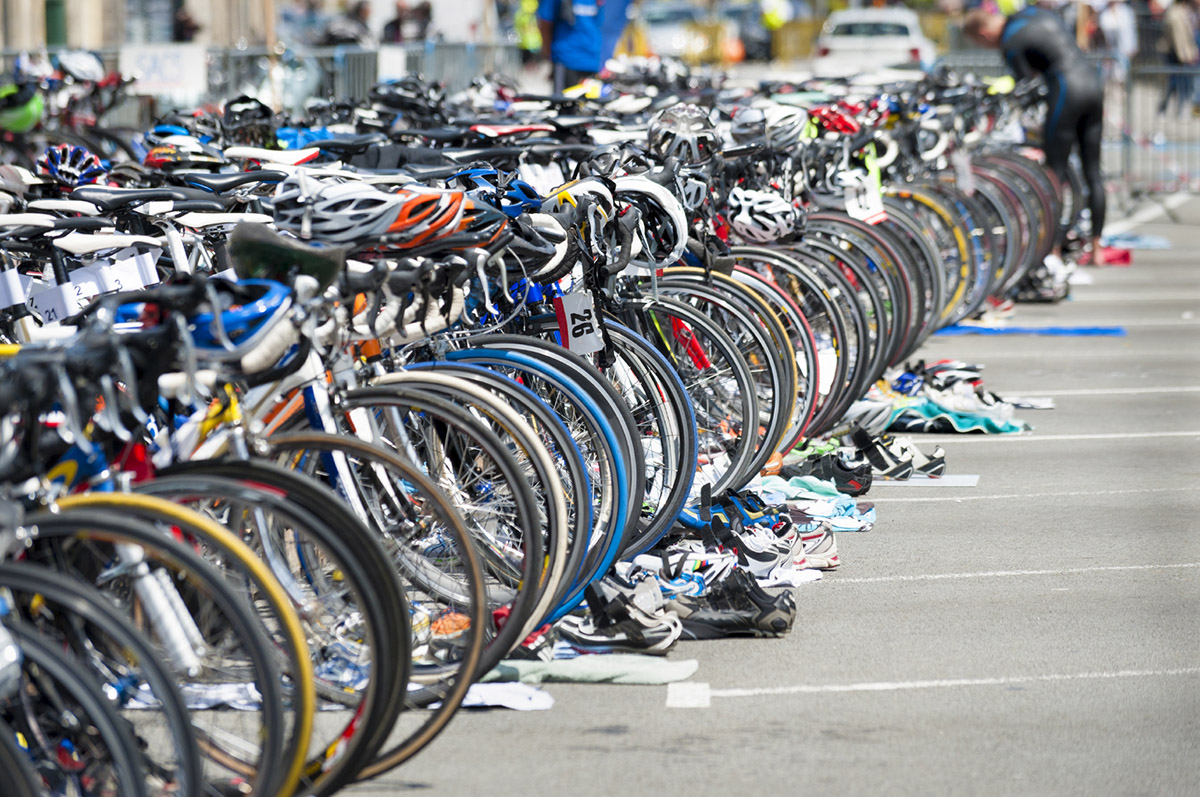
{"x": 662, "y": 229}
{"x": 762, "y": 217}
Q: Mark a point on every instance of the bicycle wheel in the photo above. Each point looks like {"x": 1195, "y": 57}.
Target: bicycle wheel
{"x": 665, "y": 423}
{"x": 20, "y": 780}
{"x": 718, "y": 382}
{"x": 80, "y": 619}
{"x": 243, "y": 643}
{"x": 359, "y": 655}
{"x": 427, "y": 542}
{"x": 78, "y": 742}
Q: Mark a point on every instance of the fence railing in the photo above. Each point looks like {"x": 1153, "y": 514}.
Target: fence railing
{"x": 292, "y": 76}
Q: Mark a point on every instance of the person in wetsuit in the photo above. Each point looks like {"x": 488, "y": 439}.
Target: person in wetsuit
{"x": 1035, "y": 42}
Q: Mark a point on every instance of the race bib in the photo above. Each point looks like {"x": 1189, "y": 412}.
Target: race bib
{"x": 577, "y": 323}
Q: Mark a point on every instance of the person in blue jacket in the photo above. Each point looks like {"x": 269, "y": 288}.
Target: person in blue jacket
{"x": 572, "y": 38}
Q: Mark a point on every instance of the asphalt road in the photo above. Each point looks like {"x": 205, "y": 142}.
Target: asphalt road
{"x": 1036, "y": 634}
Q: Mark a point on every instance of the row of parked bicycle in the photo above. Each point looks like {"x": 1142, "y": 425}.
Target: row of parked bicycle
{"x": 297, "y": 444}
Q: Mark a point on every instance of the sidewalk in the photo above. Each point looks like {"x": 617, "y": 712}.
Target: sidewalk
{"x": 1036, "y": 634}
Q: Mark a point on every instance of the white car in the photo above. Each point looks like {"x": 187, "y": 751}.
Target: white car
{"x": 864, "y": 39}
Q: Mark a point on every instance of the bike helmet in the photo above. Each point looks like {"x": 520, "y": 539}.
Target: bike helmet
{"x": 749, "y": 125}
{"x": 184, "y": 153}
{"x": 762, "y": 217}
{"x": 20, "y": 107}
{"x": 200, "y": 124}
{"x": 81, "y": 65}
{"x": 685, "y": 132}
{"x": 511, "y": 194}
{"x": 662, "y": 228}
{"x": 338, "y": 213}
{"x": 411, "y": 96}
{"x": 70, "y": 166}
{"x": 249, "y": 122}
{"x": 784, "y": 126}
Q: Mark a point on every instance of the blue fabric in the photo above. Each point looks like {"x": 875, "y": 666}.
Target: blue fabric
{"x": 577, "y": 46}
{"x": 614, "y": 18}
{"x": 1063, "y": 332}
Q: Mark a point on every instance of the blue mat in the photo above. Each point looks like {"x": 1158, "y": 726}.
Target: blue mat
{"x": 1064, "y": 332}
{"x": 1131, "y": 240}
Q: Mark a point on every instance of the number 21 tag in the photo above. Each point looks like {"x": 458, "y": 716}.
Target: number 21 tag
{"x": 577, "y": 323}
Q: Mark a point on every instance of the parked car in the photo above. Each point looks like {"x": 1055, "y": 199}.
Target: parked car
{"x": 860, "y": 40}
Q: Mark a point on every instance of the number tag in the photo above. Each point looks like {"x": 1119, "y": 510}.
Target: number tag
{"x": 863, "y": 199}
{"x": 964, "y": 178}
{"x": 146, "y": 263}
{"x": 14, "y": 288}
{"x": 577, "y": 323}
{"x": 87, "y": 282}
{"x": 57, "y": 302}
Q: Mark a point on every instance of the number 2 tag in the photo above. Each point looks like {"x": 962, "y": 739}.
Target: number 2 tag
{"x": 577, "y": 323}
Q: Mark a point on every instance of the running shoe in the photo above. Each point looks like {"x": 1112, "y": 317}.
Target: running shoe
{"x": 735, "y": 606}
{"x": 887, "y": 461}
{"x": 625, "y": 636}
{"x": 820, "y": 550}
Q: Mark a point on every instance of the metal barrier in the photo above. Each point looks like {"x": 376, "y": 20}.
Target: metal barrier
{"x": 1161, "y": 145}
{"x": 343, "y": 72}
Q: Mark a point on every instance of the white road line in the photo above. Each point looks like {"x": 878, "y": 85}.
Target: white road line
{"x": 1021, "y": 496}
{"x": 688, "y": 694}
{"x": 1146, "y": 214}
{"x": 1100, "y": 391}
{"x": 700, "y": 695}
{"x": 1044, "y": 438}
{"x": 1117, "y": 298}
{"x": 1066, "y": 571}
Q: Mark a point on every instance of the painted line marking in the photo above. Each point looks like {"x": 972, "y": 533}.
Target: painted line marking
{"x": 689, "y": 694}
{"x": 1066, "y": 571}
{"x": 1100, "y": 298}
{"x": 701, "y": 695}
{"x": 1115, "y": 391}
{"x": 1012, "y": 496}
{"x": 1027, "y": 438}
{"x": 1147, "y": 214}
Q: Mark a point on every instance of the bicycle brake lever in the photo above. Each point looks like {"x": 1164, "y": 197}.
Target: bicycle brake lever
{"x": 71, "y": 431}
{"x": 110, "y": 415}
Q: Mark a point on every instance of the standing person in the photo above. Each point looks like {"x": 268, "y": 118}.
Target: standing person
{"x": 1178, "y": 46}
{"x": 1036, "y": 43}
{"x": 393, "y": 31}
{"x": 301, "y": 22}
{"x": 185, "y": 26}
{"x": 351, "y": 27}
{"x": 572, "y": 38}
{"x": 409, "y": 24}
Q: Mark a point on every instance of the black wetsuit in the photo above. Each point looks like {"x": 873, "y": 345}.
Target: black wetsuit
{"x": 1036, "y": 42}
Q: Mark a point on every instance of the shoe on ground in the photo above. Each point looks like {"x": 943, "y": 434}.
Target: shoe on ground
{"x": 624, "y": 636}
{"x": 820, "y": 550}
{"x": 735, "y": 606}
